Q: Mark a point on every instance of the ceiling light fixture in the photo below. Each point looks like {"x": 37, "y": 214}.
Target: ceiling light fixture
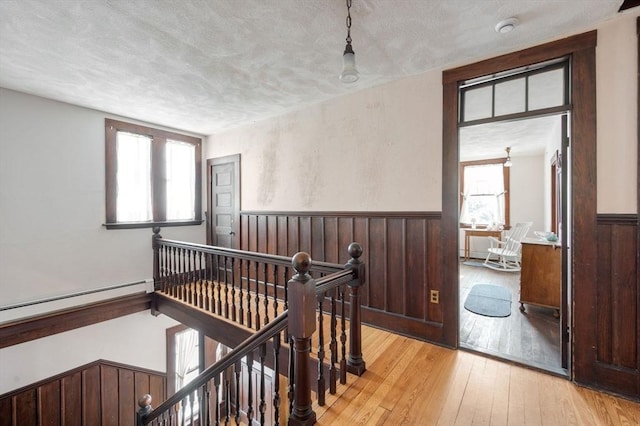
{"x": 349, "y": 71}
{"x": 506, "y": 25}
{"x": 507, "y": 162}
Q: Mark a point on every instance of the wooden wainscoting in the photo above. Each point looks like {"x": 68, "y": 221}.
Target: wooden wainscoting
{"x": 402, "y": 254}
{"x": 99, "y": 393}
{"x": 616, "y": 363}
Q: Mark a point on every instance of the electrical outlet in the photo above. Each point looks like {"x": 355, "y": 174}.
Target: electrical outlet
{"x": 435, "y": 296}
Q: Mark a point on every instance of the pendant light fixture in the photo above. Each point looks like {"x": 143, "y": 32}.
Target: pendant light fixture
{"x": 507, "y": 162}
{"x": 349, "y": 72}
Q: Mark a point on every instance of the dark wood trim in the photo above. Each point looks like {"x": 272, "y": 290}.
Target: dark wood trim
{"x": 628, "y": 4}
{"x": 533, "y": 55}
{"x": 581, "y": 48}
{"x": 430, "y": 215}
{"x": 160, "y": 138}
{"x": 25, "y": 330}
{"x": 450, "y": 210}
{"x": 584, "y": 183}
{"x": 138, "y": 225}
{"x": 617, "y": 219}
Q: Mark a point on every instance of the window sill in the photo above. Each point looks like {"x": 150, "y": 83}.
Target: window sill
{"x": 136, "y": 225}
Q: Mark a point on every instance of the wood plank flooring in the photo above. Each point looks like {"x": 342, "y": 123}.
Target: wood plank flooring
{"x": 531, "y": 338}
{"x": 417, "y": 383}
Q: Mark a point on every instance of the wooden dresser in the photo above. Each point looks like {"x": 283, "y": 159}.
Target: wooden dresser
{"x": 541, "y": 274}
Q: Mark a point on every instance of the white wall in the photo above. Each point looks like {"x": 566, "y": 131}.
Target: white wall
{"x": 52, "y": 241}
{"x": 137, "y": 339}
{"x": 52, "y": 205}
{"x": 381, "y": 148}
{"x": 527, "y": 195}
{"x": 617, "y": 88}
{"x": 374, "y": 150}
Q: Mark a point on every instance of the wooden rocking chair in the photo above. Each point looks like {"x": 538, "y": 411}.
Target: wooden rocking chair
{"x": 507, "y": 251}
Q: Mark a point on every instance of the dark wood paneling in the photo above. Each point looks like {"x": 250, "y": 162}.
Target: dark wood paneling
{"x": 401, "y": 253}
{"x": 5, "y": 412}
{"x": 100, "y": 393}
{"x": 71, "y": 399}
{"x": 127, "y": 398}
{"x": 395, "y": 287}
{"x": 49, "y": 403}
{"x": 91, "y": 395}
{"x": 617, "y": 366}
{"x": 109, "y": 400}
{"x": 25, "y": 408}
{"x": 24, "y": 330}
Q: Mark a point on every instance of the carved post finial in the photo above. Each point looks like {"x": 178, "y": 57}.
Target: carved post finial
{"x": 301, "y": 262}
{"x": 145, "y": 408}
{"x": 355, "y": 251}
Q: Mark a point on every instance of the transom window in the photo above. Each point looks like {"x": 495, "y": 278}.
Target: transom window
{"x": 152, "y": 177}
{"x": 484, "y": 196}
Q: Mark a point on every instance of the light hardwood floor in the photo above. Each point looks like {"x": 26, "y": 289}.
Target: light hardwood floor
{"x": 417, "y": 383}
{"x": 531, "y": 338}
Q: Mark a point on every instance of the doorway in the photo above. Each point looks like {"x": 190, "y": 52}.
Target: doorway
{"x": 579, "y": 333}
{"x": 512, "y": 197}
{"x": 223, "y": 201}
{"x": 508, "y": 181}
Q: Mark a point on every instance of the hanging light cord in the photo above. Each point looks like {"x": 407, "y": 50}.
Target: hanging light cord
{"x": 349, "y": 21}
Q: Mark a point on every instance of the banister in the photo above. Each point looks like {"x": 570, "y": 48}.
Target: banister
{"x": 250, "y": 344}
{"x": 326, "y": 267}
{"x": 190, "y": 272}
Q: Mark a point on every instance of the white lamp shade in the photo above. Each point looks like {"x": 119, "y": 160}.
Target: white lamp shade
{"x": 349, "y": 71}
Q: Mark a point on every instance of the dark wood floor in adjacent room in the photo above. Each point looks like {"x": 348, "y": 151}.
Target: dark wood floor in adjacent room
{"x": 531, "y": 338}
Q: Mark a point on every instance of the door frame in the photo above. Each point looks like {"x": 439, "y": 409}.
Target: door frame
{"x": 581, "y": 49}
{"x": 235, "y": 159}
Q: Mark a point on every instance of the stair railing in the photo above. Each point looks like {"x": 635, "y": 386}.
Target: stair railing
{"x": 180, "y": 408}
{"x": 178, "y": 264}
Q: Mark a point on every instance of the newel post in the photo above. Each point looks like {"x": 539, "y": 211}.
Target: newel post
{"x": 156, "y": 257}
{"x": 145, "y": 408}
{"x": 302, "y": 325}
{"x": 355, "y": 363}
{"x": 157, "y": 279}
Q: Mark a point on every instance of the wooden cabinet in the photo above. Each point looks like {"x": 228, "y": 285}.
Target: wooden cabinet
{"x": 541, "y": 274}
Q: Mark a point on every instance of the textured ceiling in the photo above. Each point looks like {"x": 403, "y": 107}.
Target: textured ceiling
{"x": 209, "y": 65}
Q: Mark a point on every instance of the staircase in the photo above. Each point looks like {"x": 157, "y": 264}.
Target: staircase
{"x": 298, "y": 328}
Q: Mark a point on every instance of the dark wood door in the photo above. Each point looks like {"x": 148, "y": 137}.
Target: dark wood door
{"x": 223, "y": 201}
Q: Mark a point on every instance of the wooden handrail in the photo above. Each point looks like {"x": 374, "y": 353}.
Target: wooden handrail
{"x": 252, "y": 343}
{"x": 325, "y": 267}
{"x": 203, "y": 276}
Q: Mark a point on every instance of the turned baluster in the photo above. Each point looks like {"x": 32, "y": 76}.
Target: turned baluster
{"x": 249, "y": 312}
{"x": 302, "y": 325}
{"x": 321, "y": 380}
{"x": 276, "y": 376}
{"x": 333, "y": 346}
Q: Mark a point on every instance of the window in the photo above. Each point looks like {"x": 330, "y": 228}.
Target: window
{"x": 484, "y": 197}
{"x": 153, "y": 177}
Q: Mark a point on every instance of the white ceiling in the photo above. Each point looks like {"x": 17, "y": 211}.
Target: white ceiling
{"x": 208, "y": 65}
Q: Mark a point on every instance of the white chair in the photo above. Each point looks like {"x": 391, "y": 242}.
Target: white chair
{"x": 507, "y": 251}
